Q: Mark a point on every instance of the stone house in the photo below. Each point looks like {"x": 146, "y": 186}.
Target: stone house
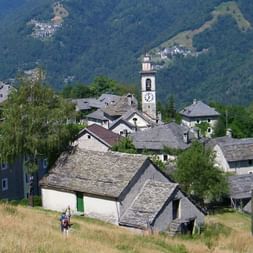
{"x": 197, "y": 113}
{"x": 240, "y": 188}
{"x": 123, "y": 189}
{"x": 88, "y": 104}
{"x": 96, "y": 138}
{"x": 106, "y": 115}
{"x": 233, "y": 155}
{"x": 131, "y": 121}
{"x": 156, "y": 139}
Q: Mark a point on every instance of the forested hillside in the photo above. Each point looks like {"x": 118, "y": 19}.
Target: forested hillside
{"x": 107, "y": 37}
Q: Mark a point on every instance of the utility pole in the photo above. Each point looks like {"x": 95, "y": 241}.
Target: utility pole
{"x": 252, "y": 211}
{"x": 31, "y": 191}
{"x": 226, "y": 115}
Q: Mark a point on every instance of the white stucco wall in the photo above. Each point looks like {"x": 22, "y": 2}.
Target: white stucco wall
{"x": 169, "y": 157}
{"x": 191, "y": 123}
{"x": 140, "y": 122}
{"x": 240, "y": 168}
{"x": 220, "y": 160}
{"x": 120, "y": 128}
{"x": 84, "y": 142}
{"x": 57, "y": 200}
{"x": 103, "y": 209}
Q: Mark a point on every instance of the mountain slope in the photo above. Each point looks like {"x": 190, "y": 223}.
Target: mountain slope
{"x": 107, "y": 37}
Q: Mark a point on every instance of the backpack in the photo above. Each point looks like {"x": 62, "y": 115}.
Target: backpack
{"x": 65, "y": 222}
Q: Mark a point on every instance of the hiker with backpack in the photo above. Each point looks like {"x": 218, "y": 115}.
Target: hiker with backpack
{"x": 64, "y": 223}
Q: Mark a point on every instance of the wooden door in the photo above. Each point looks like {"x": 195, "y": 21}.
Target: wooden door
{"x": 175, "y": 209}
{"x": 79, "y": 202}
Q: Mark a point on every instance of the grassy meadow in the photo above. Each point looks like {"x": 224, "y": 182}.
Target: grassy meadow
{"x": 25, "y": 230}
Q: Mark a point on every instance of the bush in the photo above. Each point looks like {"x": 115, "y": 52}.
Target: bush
{"x": 37, "y": 201}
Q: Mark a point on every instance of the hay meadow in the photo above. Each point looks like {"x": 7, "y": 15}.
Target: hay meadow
{"x": 25, "y": 230}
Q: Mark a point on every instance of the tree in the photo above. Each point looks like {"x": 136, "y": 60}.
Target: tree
{"x": 198, "y": 176}
{"x": 203, "y": 127}
{"x": 125, "y": 145}
{"x": 35, "y": 124}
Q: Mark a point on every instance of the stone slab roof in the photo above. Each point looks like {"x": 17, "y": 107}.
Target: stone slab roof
{"x": 128, "y": 114}
{"x": 235, "y": 149}
{"x": 106, "y": 136}
{"x": 240, "y": 186}
{"x": 121, "y": 106}
{"x": 89, "y": 103}
{"x": 170, "y": 135}
{"x": 98, "y": 115}
{"x": 148, "y": 203}
{"x": 199, "y": 109}
{"x": 92, "y": 172}
{"x": 107, "y": 99}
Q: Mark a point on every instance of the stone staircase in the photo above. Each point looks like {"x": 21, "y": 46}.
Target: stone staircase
{"x": 174, "y": 227}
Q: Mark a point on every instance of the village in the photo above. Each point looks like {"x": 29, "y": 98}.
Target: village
{"x": 131, "y": 190}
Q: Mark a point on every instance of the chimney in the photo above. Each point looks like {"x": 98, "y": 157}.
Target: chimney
{"x": 186, "y": 137}
{"x": 129, "y": 99}
{"x": 195, "y": 101}
{"x": 159, "y": 117}
{"x": 229, "y": 132}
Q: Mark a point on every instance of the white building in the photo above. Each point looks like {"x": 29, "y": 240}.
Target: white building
{"x": 123, "y": 189}
{"x": 233, "y": 155}
{"x": 96, "y": 138}
{"x": 197, "y": 113}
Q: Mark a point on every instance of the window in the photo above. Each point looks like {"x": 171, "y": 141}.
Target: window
{"x": 148, "y": 85}
{"x": 209, "y": 130}
{"x": 250, "y": 162}
{"x": 89, "y": 136}
{"x": 45, "y": 163}
{"x": 4, "y": 184}
{"x": 26, "y": 178}
{"x": 1, "y": 95}
{"x": 165, "y": 157}
{"x": 4, "y": 166}
{"x": 121, "y": 132}
{"x": 208, "y": 120}
{"x": 198, "y": 121}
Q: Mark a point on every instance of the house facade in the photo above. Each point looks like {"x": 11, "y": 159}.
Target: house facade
{"x": 158, "y": 138}
{"x": 96, "y": 138}
{"x": 123, "y": 189}
{"x": 131, "y": 121}
{"x": 15, "y": 180}
{"x": 197, "y": 113}
{"x": 233, "y": 155}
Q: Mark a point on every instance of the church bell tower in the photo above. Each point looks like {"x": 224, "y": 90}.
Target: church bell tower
{"x": 148, "y": 88}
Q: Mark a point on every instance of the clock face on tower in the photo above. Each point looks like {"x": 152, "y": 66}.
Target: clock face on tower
{"x": 148, "y": 97}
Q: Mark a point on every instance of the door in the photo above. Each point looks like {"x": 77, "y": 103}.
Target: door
{"x": 175, "y": 209}
{"x": 79, "y": 202}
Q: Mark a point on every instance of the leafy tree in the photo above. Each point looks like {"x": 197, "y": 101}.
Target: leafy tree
{"x": 198, "y": 175}
{"x": 35, "y": 123}
{"x": 203, "y": 127}
{"x": 100, "y": 85}
{"x": 125, "y": 145}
